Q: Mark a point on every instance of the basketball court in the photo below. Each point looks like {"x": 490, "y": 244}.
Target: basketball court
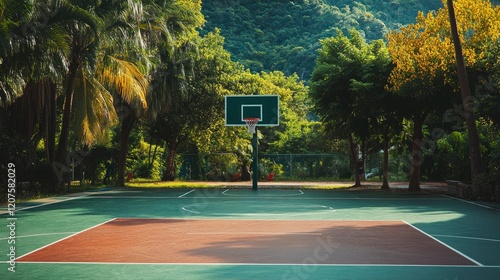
{"x": 237, "y": 233}
{"x": 243, "y": 232}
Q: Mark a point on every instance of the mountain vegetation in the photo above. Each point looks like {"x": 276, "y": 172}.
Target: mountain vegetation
{"x": 284, "y": 35}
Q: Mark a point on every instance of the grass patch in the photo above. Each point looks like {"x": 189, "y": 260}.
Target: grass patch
{"x": 327, "y": 187}
{"x": 170, "y": 185}
{"x": 140, "y": 183}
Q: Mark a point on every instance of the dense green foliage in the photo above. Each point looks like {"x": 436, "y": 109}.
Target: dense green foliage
{"x": 109, "y": 88}
{"x": 284, "y": 35}
{"x": 348, "y": 87}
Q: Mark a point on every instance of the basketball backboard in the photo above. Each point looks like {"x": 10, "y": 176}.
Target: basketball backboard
{"x": 264, "y": 107}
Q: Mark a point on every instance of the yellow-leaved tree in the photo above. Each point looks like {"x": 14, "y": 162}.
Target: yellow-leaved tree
{"x": 425, "y": 64}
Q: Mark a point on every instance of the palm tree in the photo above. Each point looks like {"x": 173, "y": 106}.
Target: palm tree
{"x": 83, "y": 39}
{"x": 80, "y": 48}
{"x": 104, "y": 70}
{"x": 68, "y": 51}
{"x": 127, "y": 79}
{"x": 33, "y": 62}
{"x": 44, "y": 45}
{"x": 12, "y": 43}
{"x": 164, "y": 28}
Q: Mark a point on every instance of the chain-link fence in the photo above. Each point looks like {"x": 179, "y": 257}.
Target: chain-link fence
{"x": 226, "y": 166}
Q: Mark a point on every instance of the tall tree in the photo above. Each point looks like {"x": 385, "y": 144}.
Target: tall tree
{"x": 102, "y": 70}
{"x": 425, "y": 63}
{"x": 470, "y": 119}
{"x": 381, "y": 107}
{"x": 128, "y": 58}
{"x": 424, "y": 92}
{"x": 205, "y": 68}
{"x": 169, "y": 88}
{"x": 349, "y": 76}
{"x": 35, "y": 53}
{"x": 83, "y": 37}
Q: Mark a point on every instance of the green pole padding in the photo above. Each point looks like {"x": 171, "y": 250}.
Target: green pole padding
{"x": 255, "y": 166}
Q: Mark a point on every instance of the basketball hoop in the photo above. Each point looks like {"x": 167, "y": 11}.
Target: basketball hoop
{"x": 251, "y": 123}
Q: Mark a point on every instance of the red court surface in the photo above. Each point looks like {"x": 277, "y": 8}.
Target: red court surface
{"x": 250, "y": 242}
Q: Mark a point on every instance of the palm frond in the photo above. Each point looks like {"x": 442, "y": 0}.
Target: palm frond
{"x": 56, "y": 38}
{"x": 27, "y": 111}
{"x": 93, "y": 109}
{"x": 11, "y": 87}
{"x": 70, "y": 14}
{"x": 20, "y": 10}
{"x": 125, "y": 79}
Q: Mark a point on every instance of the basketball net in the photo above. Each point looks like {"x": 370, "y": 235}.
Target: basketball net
{"x": 251, "y": 123}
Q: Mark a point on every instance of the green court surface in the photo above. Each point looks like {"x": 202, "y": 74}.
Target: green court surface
{"x": 471, "y": 230}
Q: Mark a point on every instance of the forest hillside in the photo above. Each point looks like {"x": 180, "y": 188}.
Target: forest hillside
{"x": 284, "y": 34}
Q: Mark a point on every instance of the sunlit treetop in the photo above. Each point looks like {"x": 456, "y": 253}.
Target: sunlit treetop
{"x": 422, "y": 50}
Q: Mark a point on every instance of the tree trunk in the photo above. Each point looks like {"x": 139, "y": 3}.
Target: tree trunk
{"x": 127, "y": 125}
{"x": 354, "y": 149}
{"x": 65, "y": 126}
{"x": 61, "y": 165}
{"x": 385, "y": 167}
{"x": 363, "y": 159}
{"x": 416, "y": 154}
{"x": 152, "y": 158}
{"x": 245, "y": 171}
{"x": 49, "y": 123}
{"x": 50, "y": 136}
{"x": 169, "y": 174}
{"x": 63, "y": 137}
{"x": 467, "y": 100}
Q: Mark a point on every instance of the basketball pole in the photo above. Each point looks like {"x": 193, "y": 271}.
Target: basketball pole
{"x": 255, "y": 164}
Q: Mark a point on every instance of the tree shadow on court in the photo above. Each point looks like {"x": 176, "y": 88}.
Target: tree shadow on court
{"x": 343, "y": 242}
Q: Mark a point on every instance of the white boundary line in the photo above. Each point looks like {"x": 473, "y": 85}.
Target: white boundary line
{"x": 40, "y": 234}
{"x": 181, "y": 196}
{"x": 468, "y": 237}
{"x": 267, "y": 264}
{"x": 444, "y": 244}
{"x": 45, "y": 204}
{"x": 134, "y": 196}
{"x": 191, "y": 211}
{"x": 57, "y": 241}
{"x": 471, "y": 202}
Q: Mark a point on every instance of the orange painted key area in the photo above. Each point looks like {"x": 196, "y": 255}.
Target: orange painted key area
{"x": 250, "y": 242}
